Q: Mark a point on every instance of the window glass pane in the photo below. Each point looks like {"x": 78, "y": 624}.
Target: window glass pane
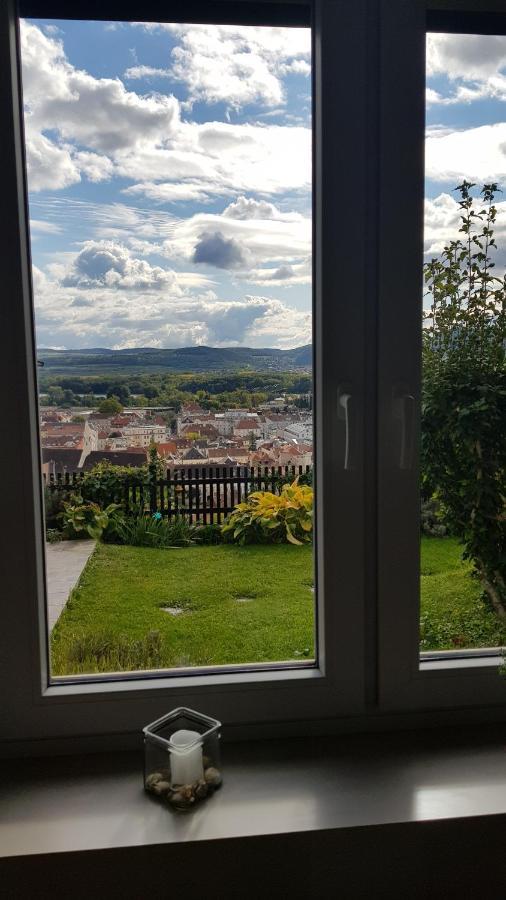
{"x": 169, "y": 175}
{"x": 463, "y": 583}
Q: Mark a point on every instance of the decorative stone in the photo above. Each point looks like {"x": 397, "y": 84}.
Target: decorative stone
{"x": 183, "y": 797}
{"x": 201, "y": 789}
{"x": 153, "y": 779}
{"x": 213, "y": 777}
{"x": 161, "y": 788}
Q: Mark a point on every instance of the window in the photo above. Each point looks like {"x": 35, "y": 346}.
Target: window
{"x": 463, "y": 670}
{"x": 195, "y": 285}
{"x": 368, "y": 256}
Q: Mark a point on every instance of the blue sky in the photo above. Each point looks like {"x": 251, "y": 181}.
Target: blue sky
{"x": 466, "y": 130}
{"x": 169, "y": 173}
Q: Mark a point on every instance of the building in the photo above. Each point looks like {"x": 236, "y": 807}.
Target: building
{"x": 134, "y": 456}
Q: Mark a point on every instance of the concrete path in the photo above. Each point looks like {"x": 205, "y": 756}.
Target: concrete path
{"x": 64, "y": 563}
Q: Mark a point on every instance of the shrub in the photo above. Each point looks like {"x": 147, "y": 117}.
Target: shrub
{"x": 432, "y": 518}
{"x": 87, "y": 517}
{"x": 207, "y": 534}
{"x": 106, "y": 483}
{"x": 270, "y": 518}
{"x": 53, "y": 507}
{"x": 464, "y": 392}
{"x": 151, "y": 531}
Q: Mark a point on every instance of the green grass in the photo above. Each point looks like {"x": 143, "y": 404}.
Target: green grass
{"x": 453, "y": 614}
{"x": 122, "y": 590}
{"x": 114, "y": 620}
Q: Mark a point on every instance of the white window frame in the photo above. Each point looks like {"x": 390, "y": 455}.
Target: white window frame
{"x": 407, "y": 679}
{"x": 368, "y": 71}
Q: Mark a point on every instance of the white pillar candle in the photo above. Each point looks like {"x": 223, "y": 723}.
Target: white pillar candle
{"x": 186, "y": 764}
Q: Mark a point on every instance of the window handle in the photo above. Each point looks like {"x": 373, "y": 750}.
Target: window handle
{"x": 404, "y": 411}
{"x": 345, "y": 410}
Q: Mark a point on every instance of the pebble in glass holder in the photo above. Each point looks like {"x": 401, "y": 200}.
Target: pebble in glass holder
{"x": 182, "y": 758}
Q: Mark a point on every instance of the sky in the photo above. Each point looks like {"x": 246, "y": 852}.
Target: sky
{"x": 169, "y": 174}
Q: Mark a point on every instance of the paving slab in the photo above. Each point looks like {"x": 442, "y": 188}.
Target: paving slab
{"x": 64, "y": 563}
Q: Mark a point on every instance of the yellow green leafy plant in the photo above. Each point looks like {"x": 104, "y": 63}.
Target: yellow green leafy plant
{"x": 273, "y": 518}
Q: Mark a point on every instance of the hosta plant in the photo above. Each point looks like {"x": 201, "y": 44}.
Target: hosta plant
{"x": 88, "y": 517}
{"x": 271, "y": 518}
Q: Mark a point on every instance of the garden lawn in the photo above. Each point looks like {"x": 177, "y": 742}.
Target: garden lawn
{"x": 453, "y": 615}
{"x": 238, "y": 604}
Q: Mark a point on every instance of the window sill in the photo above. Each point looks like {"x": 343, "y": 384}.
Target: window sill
{"x": 76, "y": 804}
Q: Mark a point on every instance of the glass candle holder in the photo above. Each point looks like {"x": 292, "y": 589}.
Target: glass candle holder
{"x": 182, "y": 757}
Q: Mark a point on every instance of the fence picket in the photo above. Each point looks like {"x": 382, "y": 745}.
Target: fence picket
{"x": 201, "y": 494}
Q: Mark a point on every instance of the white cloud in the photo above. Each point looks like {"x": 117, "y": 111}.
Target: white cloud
{"x": 136, "y": 72}
{"x": 249, "y": 208}
{"x": 442, "y": 222}
{"x": 172, "y": 192}
{"x": 469, "y": 56}
{"x": 96, "y": 167}
{"x": 477, "y": 154}
{"x": 214, "y": 249}
{"x": 78, "y": 125}
{"x": 43, "y": 227}
{"x": 140, "y": 229}
{"x": 97, "y": 113}
{"x": 238, "y": 65}
{"x": 108, "y": 284}
{"x": 49, "y": 166}
{"x": 284, "y": 239}
{"x": 90, "y": 307}
{"x": 106, "y": 264}
{"x": 219, "y": 159}
{"x": 283, "y": 276}
{"x": 297, "y": 67}
{"x": 473, "y": 62}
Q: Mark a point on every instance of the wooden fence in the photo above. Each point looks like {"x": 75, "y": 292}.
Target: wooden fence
{"x": 202, "y": 494}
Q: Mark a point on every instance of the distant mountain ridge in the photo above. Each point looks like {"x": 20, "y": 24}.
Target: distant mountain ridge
{"x": 181, "y": 359}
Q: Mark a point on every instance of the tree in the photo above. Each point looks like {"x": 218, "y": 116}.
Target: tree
{"x": 110, "y": 406}
{"x": 119, "y": 390}
{"x": 464, "y": 392}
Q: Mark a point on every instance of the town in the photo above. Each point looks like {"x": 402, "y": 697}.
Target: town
{"x": 276, "y": 433}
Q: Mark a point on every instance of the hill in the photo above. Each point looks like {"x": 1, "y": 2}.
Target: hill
{"x": 183, "y": 359}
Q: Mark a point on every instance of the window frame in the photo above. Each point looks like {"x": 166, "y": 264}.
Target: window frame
{"x": 407, "y": 678}
{"x": 368, "y": 674}
{"x": 35, "y": 708}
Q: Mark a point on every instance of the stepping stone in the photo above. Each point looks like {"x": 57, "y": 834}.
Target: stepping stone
{"x": 172, "y": 610}
{"x": 244, "y": 599}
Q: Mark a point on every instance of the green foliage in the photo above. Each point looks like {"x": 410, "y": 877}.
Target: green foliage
{"x": 271, "y": 518}
{"x": 150, "y": 531}
{"x": 464, "y": 393}
{"x": 88, "y": 517}
{"x": 53, "y": 507}
{"x": 106, "y": 651}
{"x": 110, "y": 406}
{"x": 106, "y": 482}
{"x": 433, "y": 519}
{"x": 152, "y": 387}
{"x": 207, "y": 534}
